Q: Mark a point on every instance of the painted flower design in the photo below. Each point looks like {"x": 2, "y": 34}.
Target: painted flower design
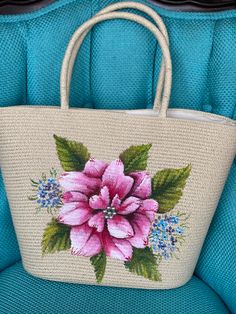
{"x": 112, "y": 209}
{"x": 47, "y": 192}
{"x": 107, "y": 210}
{"x": 167, "y": 234}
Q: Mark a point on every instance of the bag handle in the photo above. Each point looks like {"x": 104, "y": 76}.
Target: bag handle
{"x": 159, "y": 23}
{"x": 67, "y": 71}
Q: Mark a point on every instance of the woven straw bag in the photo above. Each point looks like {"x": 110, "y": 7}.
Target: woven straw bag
{"x": 121, "y": 198}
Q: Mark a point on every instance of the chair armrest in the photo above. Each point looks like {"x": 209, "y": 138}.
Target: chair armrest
{"x": 217, "y": 265}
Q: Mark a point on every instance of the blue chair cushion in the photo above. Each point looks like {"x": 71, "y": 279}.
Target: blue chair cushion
{"x": 22, "y": 293}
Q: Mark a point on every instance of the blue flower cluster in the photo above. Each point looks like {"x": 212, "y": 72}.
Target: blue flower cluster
{"x": 166, "y": 234}
{"x": 47, "y": 192}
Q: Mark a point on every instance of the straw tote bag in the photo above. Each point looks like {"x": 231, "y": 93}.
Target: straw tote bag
{"x": 121, "y": 198}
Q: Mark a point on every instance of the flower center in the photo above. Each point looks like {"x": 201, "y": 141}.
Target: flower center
{"x": 109, "y": 212}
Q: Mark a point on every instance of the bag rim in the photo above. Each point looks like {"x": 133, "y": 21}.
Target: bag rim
{"x": 213, "y": 118}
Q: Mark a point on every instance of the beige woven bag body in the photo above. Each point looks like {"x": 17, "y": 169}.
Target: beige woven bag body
{"x": 121, "y": 198}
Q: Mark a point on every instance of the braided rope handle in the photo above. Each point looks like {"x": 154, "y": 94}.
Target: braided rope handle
{"x": 159, "y": 23}
{"x": 76, "y": 42}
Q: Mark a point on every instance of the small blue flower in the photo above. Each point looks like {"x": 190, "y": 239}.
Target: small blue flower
{"x": 165, "y": 234}
{"x": 162, "y": 223}
{"x": 173, "y": 219}
{"x": 179, "y": 230}
{"x": 165, "y": 254}
{"x": 48, "y": 192}
{"x": 170, "y": 230}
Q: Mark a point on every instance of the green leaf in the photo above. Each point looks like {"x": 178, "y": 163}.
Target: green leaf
{"x": 144, "y": 263}
{"x": 99, "y": 262}
{"x": 135, "y": 157}
{"x": 34, "y": 183}
{"x": 56, "y": 237}
{"x": 32, "y": 198}
{"x": 72, "y": 155}
{"x": 167, "y": 187}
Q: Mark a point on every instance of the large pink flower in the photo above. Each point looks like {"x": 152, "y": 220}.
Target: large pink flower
{"x": 107, "y": 210}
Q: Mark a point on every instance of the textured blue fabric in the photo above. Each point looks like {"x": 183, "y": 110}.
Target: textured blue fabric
{"x": 217, "y": 263}
{"x": 13, "y": 65}
{"x": 202, "y": 49}
{"x": 117, "y": 68}
{"x": 44, "y": 59}
{"x": 21, "y": 293}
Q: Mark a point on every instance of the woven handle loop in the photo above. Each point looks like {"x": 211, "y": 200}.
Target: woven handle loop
{"x": 159, "y": 23}
{"x": 79, "y": 36}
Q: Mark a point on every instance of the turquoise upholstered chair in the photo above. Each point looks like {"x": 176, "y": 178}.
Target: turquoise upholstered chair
{"x": 118, "y": 69}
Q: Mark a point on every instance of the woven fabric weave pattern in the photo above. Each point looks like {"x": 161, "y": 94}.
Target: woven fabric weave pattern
{"x": 40, "y": 296}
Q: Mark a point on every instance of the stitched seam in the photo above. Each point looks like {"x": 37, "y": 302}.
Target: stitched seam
{"x": 95, "y": 7}
{"x": 10, "y": 265}
{"x": 212, "y": 288}
{"x": 211, "y": 102}
{"x": 208, "y": 71}
{"x": 24, "y": 32}
{"x": 234, "y": 113}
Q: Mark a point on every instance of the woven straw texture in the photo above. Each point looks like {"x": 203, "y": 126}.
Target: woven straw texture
{"x": 26, "y": 153}
{"x": 201, "y": 44}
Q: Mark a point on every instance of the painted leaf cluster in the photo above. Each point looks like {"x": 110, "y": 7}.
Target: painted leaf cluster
{"x": 72, "y": 155}
{"x": 167, "y": 187}
{"x": 144, "y": 263}
{"x": 135, "y": 158}
{"x": 167, "y": 190}
{"x": 56, "y": 237}
{"x": 99, "y": 263}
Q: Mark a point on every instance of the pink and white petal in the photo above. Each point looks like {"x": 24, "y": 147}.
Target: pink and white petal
{"x": 100, "y": 201}
{"x": 74, "y": 197}
{"x": 117, "y": 248}
{"x": 125, "y": 247}
{"x": 116, "y": 202}
{"x": 78, "y": 181}
{"x": 124, "y": 186}
{"x": 119, "y": 227}
{"x": 75, "y": 214}
{"x": 68, "y": 207}
{"x": 142, "y": 184}
{"x": 130, "y": 205}
{"x": 138, "y": 240}
{"x": 79, "y": 236}
{"x": 115, "y": 179}
{"x": 97, "y": 221}
{"x": 138, "y": 177}
{"x": 67, "y": 183}
{"x": 141, "y": 226}
{"x": 95, "y": 168}
{"x": 92, "y": 247}
{"x": 149, "y": 208}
